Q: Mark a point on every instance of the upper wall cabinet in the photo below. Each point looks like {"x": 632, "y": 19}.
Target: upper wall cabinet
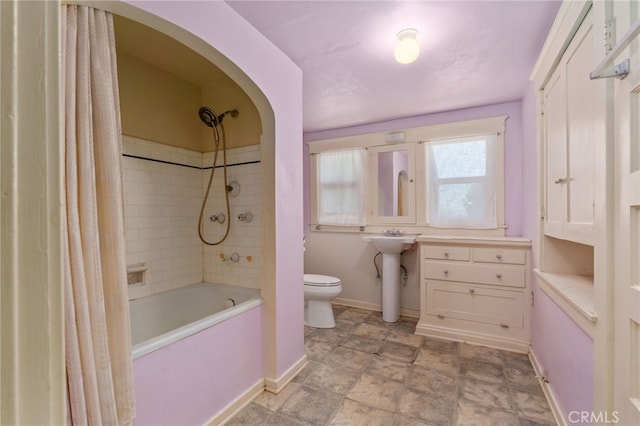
{"x": 569, "y": 164}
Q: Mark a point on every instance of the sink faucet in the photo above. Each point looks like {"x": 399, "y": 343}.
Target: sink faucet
{"x": 393, "y": 232}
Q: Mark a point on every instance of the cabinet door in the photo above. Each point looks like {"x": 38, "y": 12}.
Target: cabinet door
{"x": 475, "y": 303}
{"x": 555, "y": 118}
{"x": 569, "y": 117}
{"x": 581, "y": 120}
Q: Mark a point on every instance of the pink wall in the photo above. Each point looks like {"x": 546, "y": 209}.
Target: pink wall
{"x": 280, "y": 81}
{"x": 513, "y": 149}
{"x": 564, "y": 351}
{"x": 190, "y": 381}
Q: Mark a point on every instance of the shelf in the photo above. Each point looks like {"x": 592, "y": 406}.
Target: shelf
{"x": 574, "y": 294}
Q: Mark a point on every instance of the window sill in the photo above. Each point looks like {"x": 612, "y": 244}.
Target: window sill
{"x": 411, "y": 229}
{"x": 573, "y": 294}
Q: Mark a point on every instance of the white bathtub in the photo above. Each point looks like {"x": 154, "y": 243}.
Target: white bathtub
{"x": 164, "y": 318}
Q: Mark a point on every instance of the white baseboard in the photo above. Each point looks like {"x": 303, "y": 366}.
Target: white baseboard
{"x": 548, "y": 392}
{"x": 261, "y": 385}
{"x": 236, "y": 405}
{"x": 373, "y": 307}
{"x": 275, "y": 386}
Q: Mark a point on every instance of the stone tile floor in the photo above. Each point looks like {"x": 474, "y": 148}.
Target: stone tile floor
{"x": 368, "y": 372}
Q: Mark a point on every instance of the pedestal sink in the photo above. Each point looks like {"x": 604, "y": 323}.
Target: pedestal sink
{"x": 391, "y": 246}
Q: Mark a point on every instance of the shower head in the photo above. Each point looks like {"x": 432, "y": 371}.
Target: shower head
{"x": 211, "y": 119}
{"x": 208, "y": 117}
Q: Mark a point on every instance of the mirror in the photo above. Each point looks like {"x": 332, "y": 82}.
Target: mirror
{"x": 391, "y": 184}
{"x": 393, "y": 169}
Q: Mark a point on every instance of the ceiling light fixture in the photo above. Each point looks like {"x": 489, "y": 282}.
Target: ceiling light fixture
{"x": 407, "y": 49}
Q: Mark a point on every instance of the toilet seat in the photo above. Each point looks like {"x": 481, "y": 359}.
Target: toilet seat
{"x": 321, "y": 280}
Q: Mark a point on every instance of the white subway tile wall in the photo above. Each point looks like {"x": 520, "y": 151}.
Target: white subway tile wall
{"x": 162, "y": 204}
{"x": 245, "y": 239}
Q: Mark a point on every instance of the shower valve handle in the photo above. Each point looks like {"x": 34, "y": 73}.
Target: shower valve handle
{"x": 245, "y": 217}
{"x": 220, "y": 218}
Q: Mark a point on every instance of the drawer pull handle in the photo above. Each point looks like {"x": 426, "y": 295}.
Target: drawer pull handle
{"x": 471, "y": 291}
{"x": 446, "y": 272}
{"x": 440, "y": 316}
{"x": 498, "y": 256}
{"x": 498, "y": 275}
{"x": 504, "y": 325}
{"x": 446, "y": 254}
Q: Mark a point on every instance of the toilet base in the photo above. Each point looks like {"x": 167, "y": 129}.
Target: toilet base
{"x": 318, "y": 314}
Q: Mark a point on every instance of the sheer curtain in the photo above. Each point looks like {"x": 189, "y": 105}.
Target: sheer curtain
{"x": 462, "y": 182}
{"x": 341, "y": 187}
{"x": 97, "y": 335}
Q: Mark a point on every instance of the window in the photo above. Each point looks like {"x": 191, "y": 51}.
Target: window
{"x": 444, "y": 179}
{"x": 461, "y": 182}
{"x": 341, "y": 187}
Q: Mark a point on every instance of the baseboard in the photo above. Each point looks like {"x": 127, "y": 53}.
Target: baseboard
{"x": 275, "y": 386}
{"x": 236, "y": 405}
{"x": 548, "y": 392}
{"x": 373, "y": 307}
{"x": 458, "y": 335}
{"x": 261, "y": 385}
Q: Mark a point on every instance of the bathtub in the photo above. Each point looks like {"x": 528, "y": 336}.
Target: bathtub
{"x": 193, "y": 358}
{"x": 164, "y": 318}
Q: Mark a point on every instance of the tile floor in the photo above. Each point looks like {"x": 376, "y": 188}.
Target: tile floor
{"x": 368, "y": 372}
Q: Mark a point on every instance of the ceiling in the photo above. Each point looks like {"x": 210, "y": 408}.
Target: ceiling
{"x": 166, "y": 53}
{"x": 472, "y": 53}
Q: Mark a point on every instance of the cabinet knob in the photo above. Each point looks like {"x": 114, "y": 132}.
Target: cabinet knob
{"x": 446, "y": 254}
{"x": 498, "y": 275}
{"x": 498, "y": 256}
{"x": 471, "y": 291}
{"x": 446, "y": 271}
{"x": 561, "y": 180}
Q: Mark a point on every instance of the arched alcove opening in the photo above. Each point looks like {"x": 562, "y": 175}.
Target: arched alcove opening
{"x": 274, "y": 91}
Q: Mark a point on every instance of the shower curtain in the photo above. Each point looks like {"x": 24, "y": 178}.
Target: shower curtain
{"x": 97, "y": 334}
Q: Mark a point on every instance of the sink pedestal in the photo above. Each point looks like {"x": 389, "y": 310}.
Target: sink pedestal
{"x": 390, "y": 287}
{"x": 391, "y": 247}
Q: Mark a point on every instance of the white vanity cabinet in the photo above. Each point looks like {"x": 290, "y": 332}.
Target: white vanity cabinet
{"x": 476, "y": 290}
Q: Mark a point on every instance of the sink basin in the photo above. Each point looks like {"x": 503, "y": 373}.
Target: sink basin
{"x": 388, "y": 244}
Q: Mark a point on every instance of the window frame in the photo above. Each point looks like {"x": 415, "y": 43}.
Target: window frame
{"x": 419, "y": 136}
{"x": 353, "y": 184}
{"x": 316, "y": 147}
{"x": 492, "y": 167}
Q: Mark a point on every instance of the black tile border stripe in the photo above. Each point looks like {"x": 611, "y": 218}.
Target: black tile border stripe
{"x": 137, "y": 157}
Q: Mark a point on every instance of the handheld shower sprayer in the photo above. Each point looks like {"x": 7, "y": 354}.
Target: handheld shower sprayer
{"x": 211, "y": 119}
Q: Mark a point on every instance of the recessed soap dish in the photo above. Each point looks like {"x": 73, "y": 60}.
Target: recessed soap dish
{"x": 135, "y": 273}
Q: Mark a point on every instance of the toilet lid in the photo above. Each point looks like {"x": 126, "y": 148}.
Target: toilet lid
{"x": 321, "y": 280}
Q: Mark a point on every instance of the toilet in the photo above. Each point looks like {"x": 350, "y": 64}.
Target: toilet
{"x": 318, "y": 292}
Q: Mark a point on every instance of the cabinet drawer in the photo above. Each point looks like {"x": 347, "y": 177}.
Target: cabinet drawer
{"x": 502, "y": 275}
{"x": 469, "y": 302}
{"x": 446, "y": 253}
{"x": 516, "y": 257}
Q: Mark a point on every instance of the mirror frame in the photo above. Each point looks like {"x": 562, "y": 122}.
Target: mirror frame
{"x": 372, "y": 201}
